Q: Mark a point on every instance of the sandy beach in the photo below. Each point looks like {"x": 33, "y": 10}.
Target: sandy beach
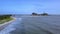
{"x": 2, "y": 26}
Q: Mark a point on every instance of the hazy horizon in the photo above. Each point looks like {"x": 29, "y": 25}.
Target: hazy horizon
{"x": 29, "y": 6}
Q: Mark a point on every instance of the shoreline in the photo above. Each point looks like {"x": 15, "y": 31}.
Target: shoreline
{"x": 2, "y": 26}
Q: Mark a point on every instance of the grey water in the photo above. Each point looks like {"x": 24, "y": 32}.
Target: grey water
{"x": 34, "y": 25}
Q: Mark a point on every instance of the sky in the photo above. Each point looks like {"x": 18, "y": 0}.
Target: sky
{"x": 29, "y": 6}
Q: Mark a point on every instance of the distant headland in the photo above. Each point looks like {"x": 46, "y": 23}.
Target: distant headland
{"x": 43, "y": 14}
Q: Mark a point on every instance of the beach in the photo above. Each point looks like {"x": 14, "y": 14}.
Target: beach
{"x": 2, "y": 26}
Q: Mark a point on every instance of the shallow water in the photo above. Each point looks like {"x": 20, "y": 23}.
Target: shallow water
{"x": 11, "y": 27}
{"x": 34, "y": 25}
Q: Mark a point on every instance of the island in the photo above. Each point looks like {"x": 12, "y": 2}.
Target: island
{"x": 43, "y": 14}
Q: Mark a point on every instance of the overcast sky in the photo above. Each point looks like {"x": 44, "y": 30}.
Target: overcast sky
{"x": 29, "y": 6}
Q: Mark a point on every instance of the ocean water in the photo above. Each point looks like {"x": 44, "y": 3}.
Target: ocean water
{"x": 34, "y": 25}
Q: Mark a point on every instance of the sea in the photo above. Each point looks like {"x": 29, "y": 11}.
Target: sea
{"x": 33, "y": 25}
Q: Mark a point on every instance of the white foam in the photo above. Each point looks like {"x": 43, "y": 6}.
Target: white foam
{"x": 10, "y": 27}
{"x": 7, "y": 29}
